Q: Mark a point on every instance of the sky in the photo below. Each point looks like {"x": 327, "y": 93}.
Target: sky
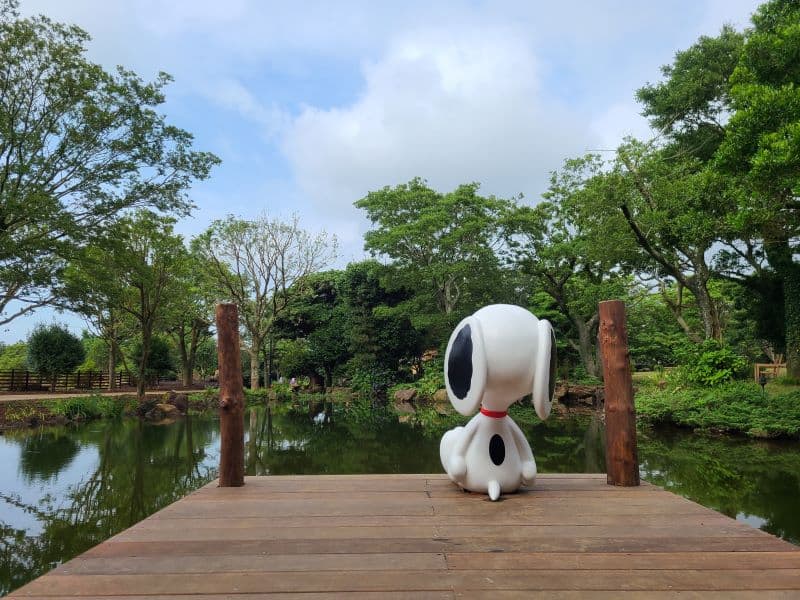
{"x": 310, "y": 105}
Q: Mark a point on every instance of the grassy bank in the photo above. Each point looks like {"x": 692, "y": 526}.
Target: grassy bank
{"x": 735, "y": 407}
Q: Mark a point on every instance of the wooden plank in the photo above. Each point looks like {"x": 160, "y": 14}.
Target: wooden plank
{"x": 490, "y": 545}
{"x": 603, "y": 560}
{"x": 558, "y": 517}
{"x": 410, "y": 561}
{"x": 428, "y": 561}
{"x": 438, "y": 580}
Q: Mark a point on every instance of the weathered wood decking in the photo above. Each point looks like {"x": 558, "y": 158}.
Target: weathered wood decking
{"x": 417, "y": 536}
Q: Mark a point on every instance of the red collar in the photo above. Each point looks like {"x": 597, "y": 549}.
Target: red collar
{"x": 495, "y": 414}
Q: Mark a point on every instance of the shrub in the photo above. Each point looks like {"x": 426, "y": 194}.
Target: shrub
{"x": 54, "y": 350}
{"x": 89, "y": 407}
{"x": 709, "y": 363}
{"x": 14, "y": 356}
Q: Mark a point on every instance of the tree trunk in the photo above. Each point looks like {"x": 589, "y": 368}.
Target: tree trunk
{"x": 255, "y": 351}
{"x": 268, "y": 363}
{"x": 112, "y": 364}
{"x": 186, "y": 375}
{"x": 709, "y": 313}
{"x": 140, "y": 380}
{"x": 587, "y": 348}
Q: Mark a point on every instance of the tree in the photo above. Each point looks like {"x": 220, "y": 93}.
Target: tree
{"x": 78, "y": 146}
{"x": 53, "y": 350}
{"x": 315, "y": 320}
{"x": 97, "y": 301}
{"x": 190, "y": 312}
{"x": 379, "y": 337}
{"x": 762, "y": 146}
{"x": 206, "y": 357}
{"x": 255, "y": 264}
{"x": 555, "y": 251}
{"x": 443, "y": 246}
{"x": 731, "y": 102}
{"x": 133, "y": 270}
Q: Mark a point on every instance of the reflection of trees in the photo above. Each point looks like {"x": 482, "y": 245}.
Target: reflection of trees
{"x": 731, "y": 475}
{"x": 46, "y": 452}
{"x": 141, "y": 468}
{"x": 288, "y": 444}
{"x": 568, "y": 445}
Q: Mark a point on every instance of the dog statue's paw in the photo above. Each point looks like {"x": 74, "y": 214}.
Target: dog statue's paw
{"x": 528, "y": 472}
{"x": 457, "y": 467}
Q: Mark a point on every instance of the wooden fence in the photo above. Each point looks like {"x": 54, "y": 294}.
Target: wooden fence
{"x": 17, "y": 380}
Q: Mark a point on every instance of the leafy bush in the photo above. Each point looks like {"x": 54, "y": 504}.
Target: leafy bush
{"x": 14, "y": 356}
{"x": 708, "y": 363}
{"x": 733, "y": 407}
{"x": 369, "y": 382}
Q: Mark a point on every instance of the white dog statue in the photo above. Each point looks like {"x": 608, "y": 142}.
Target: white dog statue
{"x": 494, "y": 358}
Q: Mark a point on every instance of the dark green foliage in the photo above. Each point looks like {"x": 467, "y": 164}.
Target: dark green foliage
{"x": 379, "y": 337}
{"x": 709, "y": 363}
{"x": 160, "y": 360}
{"x": 54, "y": 350}
{"x": 734, "y": 407}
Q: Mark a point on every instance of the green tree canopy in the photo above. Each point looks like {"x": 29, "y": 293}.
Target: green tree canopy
{"x": 443, "y": 246}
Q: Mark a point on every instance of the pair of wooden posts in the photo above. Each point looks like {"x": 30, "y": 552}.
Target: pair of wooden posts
{"x": 622, "y": 464}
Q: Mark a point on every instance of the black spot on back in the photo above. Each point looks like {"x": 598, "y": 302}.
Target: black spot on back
{"x": 497, "y": 449}
{"x": 459, "y": 364}
{"x": 553, "y": 365}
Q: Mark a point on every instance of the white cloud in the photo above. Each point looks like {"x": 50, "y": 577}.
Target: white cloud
{"x": 452, "y": 106}
{"x": 233, "y": 95}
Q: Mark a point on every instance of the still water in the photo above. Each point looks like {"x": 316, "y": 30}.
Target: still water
{"x": 65, "y": 489}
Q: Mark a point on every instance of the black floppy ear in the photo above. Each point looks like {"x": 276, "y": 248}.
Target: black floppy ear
{"x": 544, "y": 379}
{"x": 465, "y": 366}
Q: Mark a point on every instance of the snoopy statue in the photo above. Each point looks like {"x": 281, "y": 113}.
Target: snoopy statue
{"x": 494, "y": 358}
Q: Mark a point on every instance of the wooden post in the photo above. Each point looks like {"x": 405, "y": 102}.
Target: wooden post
{"x": 231, "y": 397}
{"x": 622, "y": 460}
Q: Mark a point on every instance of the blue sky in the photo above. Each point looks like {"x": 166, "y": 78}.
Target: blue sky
{"x": 310, "y": 105}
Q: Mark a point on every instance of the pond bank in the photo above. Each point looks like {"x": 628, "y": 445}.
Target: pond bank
{"x": 736, "y": 407}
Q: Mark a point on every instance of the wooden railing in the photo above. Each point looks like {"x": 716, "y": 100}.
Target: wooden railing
{"x": 769, "y": 369}
{"x": 18, "y": 380}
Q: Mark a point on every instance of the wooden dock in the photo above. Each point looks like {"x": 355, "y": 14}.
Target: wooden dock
{"x": 418, "y": 536}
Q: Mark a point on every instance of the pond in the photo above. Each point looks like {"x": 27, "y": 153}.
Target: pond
{"x": 65, "y": 489}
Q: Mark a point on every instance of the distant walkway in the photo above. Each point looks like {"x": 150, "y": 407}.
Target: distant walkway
{"x": 44, "y": 396}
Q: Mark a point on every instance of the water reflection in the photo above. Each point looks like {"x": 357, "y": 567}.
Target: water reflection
{"x": 757, "y": 482}
{"x": 55, "y": 507}
{"x": 66, "y": 489}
